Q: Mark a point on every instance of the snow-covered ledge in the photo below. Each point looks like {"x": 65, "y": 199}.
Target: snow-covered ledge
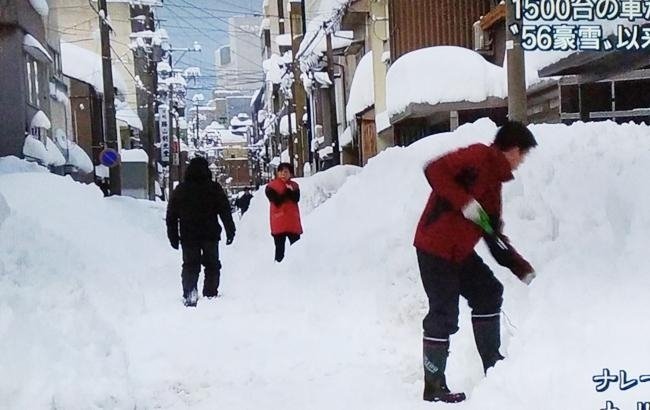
{"x": 34, "y": 150}
{"x": 40, "y": 120}
{"x": 30, "y": 42}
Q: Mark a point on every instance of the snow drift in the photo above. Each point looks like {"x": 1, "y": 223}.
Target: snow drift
{"x": 90, "y": 314}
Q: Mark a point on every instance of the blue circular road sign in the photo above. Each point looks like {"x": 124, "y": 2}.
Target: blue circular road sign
{"x": 109, "y": 157}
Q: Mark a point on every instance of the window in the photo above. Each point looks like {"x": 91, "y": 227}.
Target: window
{"x": 32, "y": 81}
{"x": 224, "y": 55}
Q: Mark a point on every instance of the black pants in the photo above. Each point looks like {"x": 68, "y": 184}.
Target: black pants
{"x": 195, "y": 254}
{"x": 445, "y": 281}
{"x": 280, "y": 241}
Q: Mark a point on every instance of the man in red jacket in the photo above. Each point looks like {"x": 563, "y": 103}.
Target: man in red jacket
{"x": 464, "y": 206}
{"x": 284, "y": 194}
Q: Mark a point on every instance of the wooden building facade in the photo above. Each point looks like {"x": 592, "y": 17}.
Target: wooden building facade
{"x": 416, "y": 24}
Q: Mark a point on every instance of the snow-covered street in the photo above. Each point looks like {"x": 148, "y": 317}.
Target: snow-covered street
{"x": 91, "y": 314}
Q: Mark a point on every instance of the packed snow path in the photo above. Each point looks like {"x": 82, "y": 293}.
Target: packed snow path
{"x": 91, "y": 317}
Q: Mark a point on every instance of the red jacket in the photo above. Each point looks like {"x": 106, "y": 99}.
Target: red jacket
{"x": 285, "y": 214}
{"x": 477, "y": 171}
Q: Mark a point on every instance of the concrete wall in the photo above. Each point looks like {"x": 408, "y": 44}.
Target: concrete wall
{"x": 13, "y": 108}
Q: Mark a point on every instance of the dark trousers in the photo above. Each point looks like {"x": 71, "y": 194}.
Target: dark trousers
{"x": 280, "y": 241}
{"x": 445, "y": 281}
{"x": 195, "y": 254}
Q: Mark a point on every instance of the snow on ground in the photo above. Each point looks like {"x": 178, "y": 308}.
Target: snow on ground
{"x": 90, "y": 314}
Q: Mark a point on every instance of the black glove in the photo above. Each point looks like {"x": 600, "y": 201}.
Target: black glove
{"x": 229, "y": 239}
{"x": 508, "y": 257}
{"x": 174, "y": 243}
{"x": 499, "y": 248}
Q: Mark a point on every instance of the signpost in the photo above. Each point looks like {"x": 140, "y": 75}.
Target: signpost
{"x": 165, "y": 147}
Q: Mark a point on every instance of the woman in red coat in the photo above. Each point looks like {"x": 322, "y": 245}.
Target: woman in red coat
{"x": 284, "y": 194}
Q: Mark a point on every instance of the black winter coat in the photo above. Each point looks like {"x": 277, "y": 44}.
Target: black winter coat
{"x": 243, "y": 202}
{"x": 196, "y": 205}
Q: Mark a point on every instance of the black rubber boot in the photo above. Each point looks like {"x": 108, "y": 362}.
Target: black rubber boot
{"x": 435, "y": 361}
{"x": 190, "y": 298}
{"x": 488, "y": 339}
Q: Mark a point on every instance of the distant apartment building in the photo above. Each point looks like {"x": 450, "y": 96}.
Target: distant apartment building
{"x": 239, "y": 63}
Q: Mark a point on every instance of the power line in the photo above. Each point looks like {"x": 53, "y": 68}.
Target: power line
{"x": 200, "y": 30}
{"x": 218, "y": 29}
{"x": 247, "y": 9}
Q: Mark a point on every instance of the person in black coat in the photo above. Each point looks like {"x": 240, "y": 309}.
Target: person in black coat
{"x": 244, "y": 201}
{"x": 195, "y": 206}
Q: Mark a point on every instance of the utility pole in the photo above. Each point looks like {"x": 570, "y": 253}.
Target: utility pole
{"x": 179, "y": 168}
{"x": 301, "y": 152}
{"x": 109, "y": 97}
{"x": 145, "y": 68}
{"x": 196, "y": 132}
{"x": 290, "y": 145}
{"x": 310, "y": 135}
{"x": 175, "y": 144}
{"x": 517, "y": 103}
{"x": 334, "y": 124}
{"x": 173, "y": 161}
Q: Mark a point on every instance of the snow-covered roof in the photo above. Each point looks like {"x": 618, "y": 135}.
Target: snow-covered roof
{"x": 75, "y": 155}
{"x": 85, "y": 65}
{"x": 323, "y": 11}
{"x": 31, "y": 41}
{"x": 362, "y": 90}
{"x": 382, "y": 121}
{"x": 134, "y": 155}
{"x": 40, "y": 6}
{"x": 340, "y": 39}
{"x": 273, "y": 68}
{"x": 40, "y": 120}
{"x": 214, "y": 125}
{"x": 323, "y": 79}
{"x": 229, "y": 137}
{"x": 536, "y": 60}
{"x": 55, "y": 157}
{"x": 126, "y": 114}
{"x": 346, "y": 137}
{"x": 442, "y": 74}
{"x": 78, "y": 158}
{"x": 241, "y": 121}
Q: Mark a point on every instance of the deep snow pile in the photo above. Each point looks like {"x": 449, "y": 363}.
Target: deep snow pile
{"x": 89, "y": 291}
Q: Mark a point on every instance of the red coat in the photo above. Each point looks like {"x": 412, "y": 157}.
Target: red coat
{"x": 285, "y": 214}
{"x": 477, "y": 171}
